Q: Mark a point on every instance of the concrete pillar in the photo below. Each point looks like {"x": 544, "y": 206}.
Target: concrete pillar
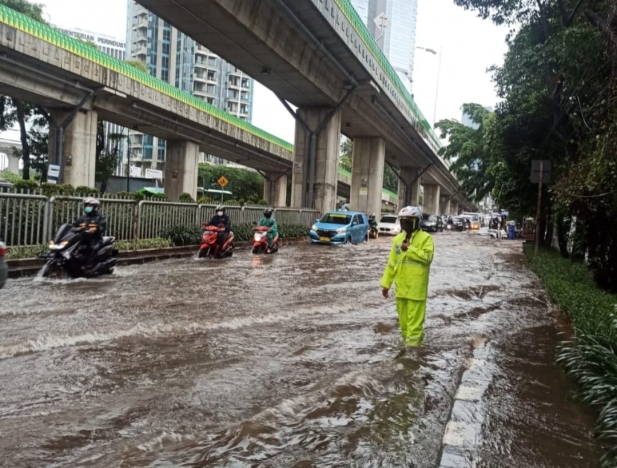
{"x": 369, "y": 157}
{"x": 275, "y": 189}
{"x": 411, "y": 197}
{"x": 453, "y": 208}
{"x": 13, "y": 164}
{"x": 181, "y": 169}
{"x": 78, "y": 159}
{"x": 431, "y": 199}
{"x": 445, "y": 206}
{"x": 322, "y": 151}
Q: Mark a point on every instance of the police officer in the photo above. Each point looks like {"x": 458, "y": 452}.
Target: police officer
{"x": 409, "y": 267}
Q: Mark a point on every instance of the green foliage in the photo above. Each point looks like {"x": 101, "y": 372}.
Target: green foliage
{"x": 25, "y": 185}
{"x": 107, "y": 155}
{"x": 591, "y": 358}
{"x": 33, "y": 10}
{"x": 182, "y": 235}
{"x": 138, "y": 64}
{"x": 141, "y": 244}
{"x": 262, "y": 202}
{"x": 390, "y": 179}
{"x": 468, "y": 151}
{"x": 186, "y": 198}
{"x": 24, "y": 252}
{"x": 244, "y": 184}
{"x": 9, "y": 176}
{"x": 346, "y": 154}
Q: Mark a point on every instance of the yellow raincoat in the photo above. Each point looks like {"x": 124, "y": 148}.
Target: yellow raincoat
{"x": 410, "y": 271}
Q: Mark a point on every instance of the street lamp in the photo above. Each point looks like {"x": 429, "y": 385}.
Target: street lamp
{"x": 434, "y": 52}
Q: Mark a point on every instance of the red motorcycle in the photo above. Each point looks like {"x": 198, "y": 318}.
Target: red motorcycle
{"x": 260, "y": 241}
{"x": 210, "y": 243}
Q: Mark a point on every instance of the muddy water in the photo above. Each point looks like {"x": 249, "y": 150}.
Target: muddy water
{"x": 287, "y": 361}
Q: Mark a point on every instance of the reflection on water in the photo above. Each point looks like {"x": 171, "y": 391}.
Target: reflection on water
{"x": 282, "y": 360}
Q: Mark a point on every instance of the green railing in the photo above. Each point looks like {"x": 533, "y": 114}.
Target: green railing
{"x": 86, "y": 51}
{"x": 356, "y": 22}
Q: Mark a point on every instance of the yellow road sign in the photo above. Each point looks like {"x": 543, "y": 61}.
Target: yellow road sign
{"x": 222, "y": 181}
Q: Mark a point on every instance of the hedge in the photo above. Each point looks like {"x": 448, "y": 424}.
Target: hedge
{"x": 191, "y": 235}
{"x": 590, "y": 358}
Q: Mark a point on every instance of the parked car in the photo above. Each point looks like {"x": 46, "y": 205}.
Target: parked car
{"x": 340, "y": 227}
{"x": 4, "y": 269}
{"x": 389, "y": 225}
{"x": 431, "y": 223}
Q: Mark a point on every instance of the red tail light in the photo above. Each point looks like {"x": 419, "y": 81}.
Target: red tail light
{"x": 2, "y": 249}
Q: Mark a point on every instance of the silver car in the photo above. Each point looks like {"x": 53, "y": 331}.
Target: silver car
{"x": 4, "y": 269}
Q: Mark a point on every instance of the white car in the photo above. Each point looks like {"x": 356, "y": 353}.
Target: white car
{"x": 389, "y": 225}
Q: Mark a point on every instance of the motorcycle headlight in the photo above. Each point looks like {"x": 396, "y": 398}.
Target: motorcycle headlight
{"x": 314, "y": 227}
{"x": 341, "y": 230}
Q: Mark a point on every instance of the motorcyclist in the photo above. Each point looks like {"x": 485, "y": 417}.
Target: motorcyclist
{"x": 220, "y": 218}
{"x": 269, "y": 222}
{"x": 372, "y": 222}
{"x": 94, "y": 225}
{"x": 409, "y": 267}
{"x": 343, "y": 207}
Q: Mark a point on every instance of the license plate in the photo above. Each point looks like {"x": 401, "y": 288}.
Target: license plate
{"x": 324, "y": 239}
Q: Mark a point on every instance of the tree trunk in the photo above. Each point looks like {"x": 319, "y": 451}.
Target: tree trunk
{"x": 563, "y": 228}
{"x": 25, "y": 147}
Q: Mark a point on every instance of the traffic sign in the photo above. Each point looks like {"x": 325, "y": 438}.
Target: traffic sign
{"x": 222, "y": 181}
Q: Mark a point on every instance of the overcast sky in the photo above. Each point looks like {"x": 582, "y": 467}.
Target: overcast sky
{"x": 470, "y": 46}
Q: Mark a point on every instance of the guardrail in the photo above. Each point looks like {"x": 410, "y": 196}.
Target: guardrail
{"x": 27, "y": 219}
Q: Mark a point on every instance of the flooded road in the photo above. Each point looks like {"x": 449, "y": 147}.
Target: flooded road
{"x": 288, "y": 361}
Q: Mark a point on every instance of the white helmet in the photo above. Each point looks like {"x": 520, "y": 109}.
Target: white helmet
{"x": 410, "y": 212}
{"x": 91, "y": 201}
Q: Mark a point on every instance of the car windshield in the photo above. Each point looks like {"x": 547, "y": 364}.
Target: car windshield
{"x": 432, "y": 218}
{"x": 456, "y": 220}
{"x": 388, "y": 219}
{"x": 475, "y": 218}
{"x": 336, "y": 218}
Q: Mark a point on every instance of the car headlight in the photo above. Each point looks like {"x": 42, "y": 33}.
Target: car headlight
{"x": 341, "y": 230}
{"x": 314, "y": 227}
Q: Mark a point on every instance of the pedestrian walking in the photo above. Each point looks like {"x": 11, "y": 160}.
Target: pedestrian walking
{"x": 408, "y": 268}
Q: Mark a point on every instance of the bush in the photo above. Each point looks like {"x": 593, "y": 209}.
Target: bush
{"x": 262, "y": 202}
{"x": 186, "y": 198}
{"x": 25, "y": 185}
{"x": 160, "y": 243}
{"x": 590, "y": 359}
{"x": 183, "y": 235}
{"x": 30, "y": 251}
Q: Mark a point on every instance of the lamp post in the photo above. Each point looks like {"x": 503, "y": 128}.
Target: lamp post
{"x": 434, "y": 52}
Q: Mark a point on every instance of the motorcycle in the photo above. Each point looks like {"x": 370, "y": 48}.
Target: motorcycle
{"x": 68, "y": 254}
{"x": 260, "y": 241}
{"x": 210, "y": 244}
{"x": 373, "y": 232}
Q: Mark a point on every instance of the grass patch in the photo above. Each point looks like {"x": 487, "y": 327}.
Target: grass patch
{"x": 590, "y": 359}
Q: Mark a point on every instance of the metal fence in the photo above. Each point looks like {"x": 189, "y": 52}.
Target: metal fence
{"x": 27, "y": 219}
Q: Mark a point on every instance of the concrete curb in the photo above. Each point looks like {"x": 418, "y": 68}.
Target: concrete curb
{"x": 31, "y": 266}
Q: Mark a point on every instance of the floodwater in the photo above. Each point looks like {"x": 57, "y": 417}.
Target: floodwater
{"x": 288, "y": 361}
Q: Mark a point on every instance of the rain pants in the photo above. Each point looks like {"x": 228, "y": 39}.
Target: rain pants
{"x": 410, "y": 271}
{"x": 270, "y": 223}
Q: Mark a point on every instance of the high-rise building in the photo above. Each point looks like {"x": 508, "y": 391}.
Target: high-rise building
{"x": 117, "y": 49}
{"x": 361, "y": 7}
{"x": 393, "y": 25}
{"x": 176, "y": 58}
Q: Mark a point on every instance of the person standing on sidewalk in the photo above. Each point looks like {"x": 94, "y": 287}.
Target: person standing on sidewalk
{"x": 409, "y": 267}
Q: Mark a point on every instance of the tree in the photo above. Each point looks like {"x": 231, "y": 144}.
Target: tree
{"x": 15, "y": 109}
{"x": 346, "y": 154}
{"x": 245, "y": 184}
{"x": 107, "y": 155}
{"x": 468, "y": 152}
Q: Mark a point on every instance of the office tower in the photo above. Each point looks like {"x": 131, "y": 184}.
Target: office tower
{"x": 117, "y": 49}
{"x": 361, "y": 6}
{"x": 176, "y": 58}
{"x": 392, "y": 23}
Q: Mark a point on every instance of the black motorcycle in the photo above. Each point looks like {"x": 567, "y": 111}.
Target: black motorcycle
{"x": 68, "y": 254}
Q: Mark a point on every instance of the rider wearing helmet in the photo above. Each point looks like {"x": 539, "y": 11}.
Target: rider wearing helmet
{"x": 220, "y": 219}
{"x": 372, "y": 221}
{"x": 94, "y": 224}
{"x": 408, "y": 267}
{"x": 269, "y": 222}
